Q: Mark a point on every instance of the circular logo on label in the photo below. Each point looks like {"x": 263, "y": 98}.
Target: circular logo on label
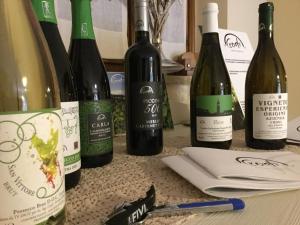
{"x": 261, "y": 27}
{"x": 139, "y": 24}
{"x": 146, "y": 90}
{"x": 101, "y": 117}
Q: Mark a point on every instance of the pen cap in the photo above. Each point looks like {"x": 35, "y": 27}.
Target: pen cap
{"x": 237, "y": 203}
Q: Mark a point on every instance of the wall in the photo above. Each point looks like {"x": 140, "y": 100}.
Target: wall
{"x": 287, "y": 38}
{"x": 243, "y": 16}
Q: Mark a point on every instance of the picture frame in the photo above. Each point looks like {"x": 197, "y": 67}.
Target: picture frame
{"x": 118, "y": 64}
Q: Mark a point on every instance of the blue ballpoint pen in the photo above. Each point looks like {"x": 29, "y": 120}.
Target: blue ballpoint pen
{"x": 198, "y": 207}
{"x": 137, "y": 211}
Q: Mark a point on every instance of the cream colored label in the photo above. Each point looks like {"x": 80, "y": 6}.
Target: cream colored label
{"x": 270, "y": 116}
{"x": 71, "y": 136}
{"x": 32, "y": 185}
{"x": 214, "y": 128}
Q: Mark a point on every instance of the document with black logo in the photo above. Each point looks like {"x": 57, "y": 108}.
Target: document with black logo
{"x": 294, "y": 131}
{"x": 237, "y": 173}
{"x": 237, "y": 52}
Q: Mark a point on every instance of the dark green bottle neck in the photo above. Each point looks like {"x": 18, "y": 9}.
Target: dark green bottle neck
{"x": 210, "y": 39}
{"x": 82, "y": 23}
{"x": 142, "y": 36}
{"x": 266, "y": 26}
{"x": 45, "y": 10}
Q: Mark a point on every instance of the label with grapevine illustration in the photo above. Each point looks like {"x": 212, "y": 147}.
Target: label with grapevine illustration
{"x": 147, "y": 105}
{"x": 31, "y": 167}
{"x": 96, "y": 127}
{"x": 71, "y": 136}
{"x": 214, "y": 118}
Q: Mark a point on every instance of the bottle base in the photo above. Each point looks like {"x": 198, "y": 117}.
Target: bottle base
{"x": 266, "y": 144}
{"x": 221, "y": 145}
{"x": 144, "y": 152}
{"x": 72, "y": 179}
{"x": 96, "y": 160}
{"x": 58, "y": 219}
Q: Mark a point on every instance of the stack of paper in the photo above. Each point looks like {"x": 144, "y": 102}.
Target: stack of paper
{"x": 225, "y": 173}
{"x": 294, "y": 131}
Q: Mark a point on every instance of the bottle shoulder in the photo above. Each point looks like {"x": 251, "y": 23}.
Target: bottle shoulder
{"x": 143, "y": 49}
{"x": 266, "y": 61}
{"x": 266, "y": 73}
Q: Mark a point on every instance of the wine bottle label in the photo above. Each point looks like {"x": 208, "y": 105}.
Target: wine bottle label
{"x": 45, "y": 10}
{"x": 71, "y": 136}
{"x": 146, "y": 105}
{"x": 96, "y": 127}
{"x": 214, "y": 118}
{"x": 31, "y": 167}
{"x": 270, "y": 116}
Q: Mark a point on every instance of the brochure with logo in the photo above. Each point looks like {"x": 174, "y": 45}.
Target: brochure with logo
{"x": 237, "y": 53}
{"x": 294, "y": 131}
{"x": 237, "y": 173}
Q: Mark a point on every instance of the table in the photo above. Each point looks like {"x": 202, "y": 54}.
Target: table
{"x": 128, "y": 178}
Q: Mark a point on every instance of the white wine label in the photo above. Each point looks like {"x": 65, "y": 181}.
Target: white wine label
{"x": 32, "y": 185}
{"x": 71, "y": 136}
{"x": 214, "y": 118}
{"x": 270, "y": 116}
{"x": 214, "y": 129}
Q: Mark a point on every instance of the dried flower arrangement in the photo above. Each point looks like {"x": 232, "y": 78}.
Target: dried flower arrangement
{"x": 159, "y": 11}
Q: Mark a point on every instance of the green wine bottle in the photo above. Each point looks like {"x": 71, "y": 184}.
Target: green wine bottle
{"x": 211, "y": 101}
{"x": 32, "y": 189}
{"x": 266, "y": 98}
{"x": 95, "y": 107}
{"x": 45, "y": 11}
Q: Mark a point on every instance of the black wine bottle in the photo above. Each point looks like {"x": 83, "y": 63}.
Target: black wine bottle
{"x": 45, "y": 11}
{"x": 211, "y": 101}
{"x": 266, "y": 95}
{"x": 95, "y": 107}
{"x": 143, "y": 85}
{"x": 32, "y": 186}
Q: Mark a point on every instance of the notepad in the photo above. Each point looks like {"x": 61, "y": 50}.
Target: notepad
{"x": 226, "y": 173}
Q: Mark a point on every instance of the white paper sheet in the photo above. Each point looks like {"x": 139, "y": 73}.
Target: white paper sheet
{"x": 237, "y": 52}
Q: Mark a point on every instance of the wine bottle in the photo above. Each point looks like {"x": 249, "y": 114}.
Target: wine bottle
{"x": 45, "y": 11}
{"x": 32, "y": 189}
{"x": 143, "y": 90}
{"x": 211, "y": 101}
{"x": 95, "y": 107}
{"x": 266, "y": 98}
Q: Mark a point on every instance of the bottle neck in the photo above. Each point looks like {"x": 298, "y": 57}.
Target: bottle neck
{"x": 210, "y": 39}
{"x": 45, "y": 10}
{"x": 141, "y": 21}
{"x": 266, "y": 26}
{"x": 210, "y": 22}
{"x": 82, "y": 24}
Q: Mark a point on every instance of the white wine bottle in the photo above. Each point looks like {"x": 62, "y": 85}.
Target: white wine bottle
{"x": 211, "y": 101}
{"x": 31, "y": 155}
{"x": 266, "y": 98}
